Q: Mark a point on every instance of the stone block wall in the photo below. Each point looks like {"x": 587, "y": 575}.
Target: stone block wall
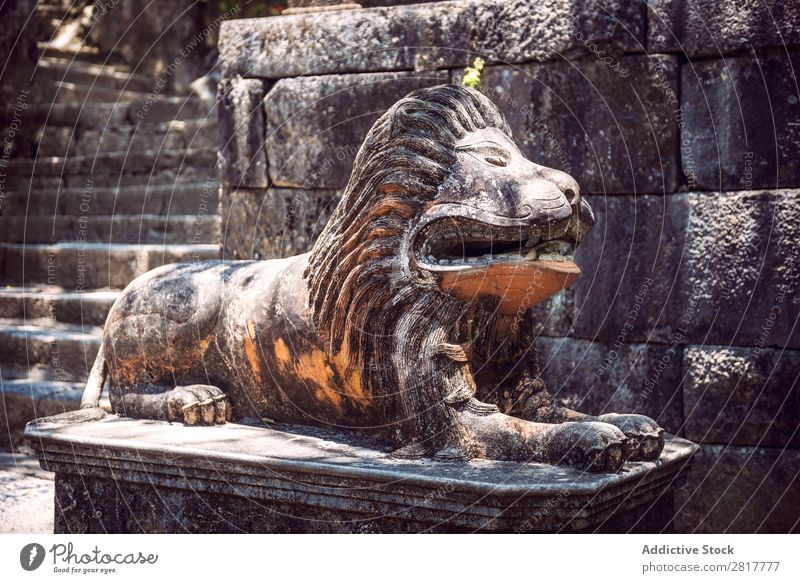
{"x": 680, "y": 122}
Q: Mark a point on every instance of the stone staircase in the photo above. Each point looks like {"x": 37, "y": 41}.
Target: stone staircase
{"x": 106, "y": 182}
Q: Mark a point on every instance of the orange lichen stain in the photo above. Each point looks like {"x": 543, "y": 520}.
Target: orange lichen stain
{"x": 181, "y": 361}
{"x": 170, "y": 358}
{"x": 352, "y": 378}
{"x": 282, "y": 354}
{"x": 251, "y": 352}
{"x": 314, "y": 368}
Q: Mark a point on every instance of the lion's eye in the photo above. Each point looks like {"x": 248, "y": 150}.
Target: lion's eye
{"x": 496, "y": 160}
{"x": 488, "y": 152}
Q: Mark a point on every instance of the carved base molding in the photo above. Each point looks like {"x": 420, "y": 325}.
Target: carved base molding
{"x": 121, "y": 475}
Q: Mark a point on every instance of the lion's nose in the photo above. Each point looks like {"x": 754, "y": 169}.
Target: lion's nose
{"x": 566, "y": 183}
{"x": 542, "y": 201}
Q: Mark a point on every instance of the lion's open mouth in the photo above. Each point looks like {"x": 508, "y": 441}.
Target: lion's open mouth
{"x": 468, "y": 243}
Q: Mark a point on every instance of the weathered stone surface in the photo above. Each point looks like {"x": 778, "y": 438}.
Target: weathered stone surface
{"x": 631, "y": 266}
{"x": 740, "y": 490}
{"x": 740, "y": 116}
{"x": 702, "y": 268}
{"x": 741, "y": 269}
{"x": 595, "y": 378}
{"x": 424, "y": 36}
{"x": 610, "y": 124}
{"x": 301, "y": 6}
{"x": 322, "y": 481}
{"x": 742, "y": 396}
{"x": 315, "y": 125}
{"x": 241, "y": 132}
{"x": 553, "y": 317}
{"x": 587, "y": 117}
{"x": 278, "y": 222}
{"x": 708, "y": 28}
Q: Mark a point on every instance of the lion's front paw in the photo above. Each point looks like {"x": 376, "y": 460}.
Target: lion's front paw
{"x": 591, "y": 446}
{"x": 645, "y": 437}
{"x": 198, "y": 405}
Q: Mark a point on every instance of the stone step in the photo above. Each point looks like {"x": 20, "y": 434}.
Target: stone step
{"x": 88, "y": 308}
{"x": 98, "y": 76}
{"x": 113, "y": 116}
{"x": 163, "y": 177}
{"x": 113, "y": 229}
{"x": 22, "y": 400}
{"x": 83, "y": 53}
{"x": 68, "y": 92}
{"x": 113, "y": 170}
{"x": 94, "y": 115}
{"x": 154, "y": 199}
{"x": 45, "y": 349}
{"x": 171, "y": 135}
{"x": 83, "y": 266}
{"x": 113, "y": 162}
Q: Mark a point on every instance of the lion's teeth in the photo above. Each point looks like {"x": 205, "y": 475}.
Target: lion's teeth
{"x": 531, "y": 255}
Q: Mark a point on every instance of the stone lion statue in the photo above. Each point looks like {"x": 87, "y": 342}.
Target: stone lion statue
{"x": 407, "y": 319}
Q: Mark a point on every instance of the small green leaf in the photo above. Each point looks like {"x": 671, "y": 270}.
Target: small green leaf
{"x": 472, "y": 75}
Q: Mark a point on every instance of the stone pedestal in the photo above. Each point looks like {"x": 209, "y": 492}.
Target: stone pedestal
{"x": 121, "y": 475}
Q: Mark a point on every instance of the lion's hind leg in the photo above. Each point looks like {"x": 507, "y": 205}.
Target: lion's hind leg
{"x": 189, "y": 404}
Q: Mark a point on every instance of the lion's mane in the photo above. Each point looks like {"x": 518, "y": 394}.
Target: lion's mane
{"x": 363, "y": 302}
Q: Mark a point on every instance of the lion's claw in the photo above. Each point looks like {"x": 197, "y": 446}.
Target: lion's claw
{"x": 645, "y": 437}
{"x": 591, "y": 446}
{"x": 607, "y": 459}
{"x": 198, "y": 405}
{"x": 652, "y": 445}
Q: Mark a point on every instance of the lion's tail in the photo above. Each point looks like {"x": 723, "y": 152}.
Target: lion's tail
{"x": 97, "y": 378}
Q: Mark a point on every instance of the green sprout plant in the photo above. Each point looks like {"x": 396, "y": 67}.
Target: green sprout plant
{"x": 472, "y": 75}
